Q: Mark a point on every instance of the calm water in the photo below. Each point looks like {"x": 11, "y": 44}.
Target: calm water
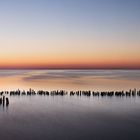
{"x": 70, "y": 118}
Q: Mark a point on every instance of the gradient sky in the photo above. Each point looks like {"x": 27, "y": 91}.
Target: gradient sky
{"x": 69, "y": 33}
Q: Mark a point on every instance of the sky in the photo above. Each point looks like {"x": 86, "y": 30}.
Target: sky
{"x": 70, "y": 34}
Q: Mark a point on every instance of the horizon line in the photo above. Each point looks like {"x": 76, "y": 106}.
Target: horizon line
{"x": 37, "y": 68}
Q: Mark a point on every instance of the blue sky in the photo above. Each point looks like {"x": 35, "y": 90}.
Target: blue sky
{"x": 61, "y": 21}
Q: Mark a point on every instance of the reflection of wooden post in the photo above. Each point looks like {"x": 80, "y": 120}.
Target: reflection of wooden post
{"x": 0, "y": 101}
{"x": 7, "y": 101}
{"x": 3, "y": 100}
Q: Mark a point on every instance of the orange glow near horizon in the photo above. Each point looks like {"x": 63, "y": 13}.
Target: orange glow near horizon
{"x": 71, "y": 63}
{"x": 69, "y": 53}
{"x": 71, "y": 60}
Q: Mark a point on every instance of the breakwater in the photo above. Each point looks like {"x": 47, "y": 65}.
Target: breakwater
{"x": 4, "y": 95}
{"x": 32, "y": 92}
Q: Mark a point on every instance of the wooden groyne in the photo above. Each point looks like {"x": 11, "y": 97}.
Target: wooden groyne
{"x": 32, "y": 92}
{"x": 4, "y": 95}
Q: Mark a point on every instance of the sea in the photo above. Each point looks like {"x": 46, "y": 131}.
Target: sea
{"x": 70, "y": 117}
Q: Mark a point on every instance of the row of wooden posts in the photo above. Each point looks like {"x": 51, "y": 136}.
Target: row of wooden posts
{"x": 30, "y": 92}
